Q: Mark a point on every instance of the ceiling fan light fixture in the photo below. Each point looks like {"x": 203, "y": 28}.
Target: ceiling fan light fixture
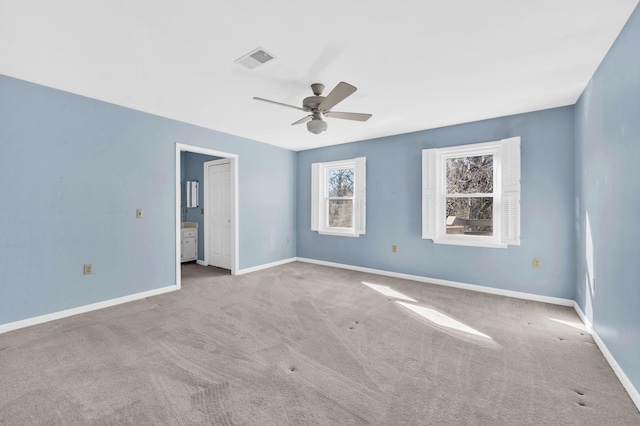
{"x": 316, "y": 126}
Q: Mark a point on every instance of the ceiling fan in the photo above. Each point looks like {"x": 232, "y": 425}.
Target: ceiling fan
{"x": 319, "y": 105}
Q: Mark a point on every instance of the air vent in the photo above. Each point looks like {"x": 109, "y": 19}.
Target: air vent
{"x": 255, "y": 58}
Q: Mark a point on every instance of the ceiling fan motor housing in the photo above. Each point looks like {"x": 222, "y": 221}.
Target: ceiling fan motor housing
{"x": 312, "y": 102}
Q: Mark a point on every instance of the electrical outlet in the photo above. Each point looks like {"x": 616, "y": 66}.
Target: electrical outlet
{"x": 394, "y": 249}
{"x": 288, "y": 240}
{"x": 88, "y": 269}
{"x": 201, "y": 211}
{"x": 536, "y": 263}
{"x": 584, "y": 274}
{"x": 139, "y": 213}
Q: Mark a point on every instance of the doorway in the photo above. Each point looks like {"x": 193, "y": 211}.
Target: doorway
{"x": 232, "y": 228}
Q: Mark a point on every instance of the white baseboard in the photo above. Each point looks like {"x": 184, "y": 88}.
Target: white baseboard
{"x": 583, "y": 317}
{"x": 202, "y": 262}
{"x": 83, "y": 309}
{"x": 4, "y": 328}
{"x": 266, "y": 266}
{"x": 446, "y": 283}
{"x": 631, "y": 390}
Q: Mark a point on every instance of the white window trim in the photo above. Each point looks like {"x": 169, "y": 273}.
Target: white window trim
{"x": 506, "y": 196}
{"x": 319, "y": 200}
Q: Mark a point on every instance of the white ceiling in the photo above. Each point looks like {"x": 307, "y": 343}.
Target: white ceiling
{"x": 417, "y": 64}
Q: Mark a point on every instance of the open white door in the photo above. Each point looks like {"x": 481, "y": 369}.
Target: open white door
{"x": 218, "y": 213}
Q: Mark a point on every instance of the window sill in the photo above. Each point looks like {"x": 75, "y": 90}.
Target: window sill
{"x": 469, "y": 243}
{"x": 338, "y": 233}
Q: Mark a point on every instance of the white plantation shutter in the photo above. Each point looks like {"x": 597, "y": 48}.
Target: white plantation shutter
{"x": 511, "y": 191}
{"x": 359, "y": 199}
{"x": 429, "y": 180}
{"x": 315, "y": 196}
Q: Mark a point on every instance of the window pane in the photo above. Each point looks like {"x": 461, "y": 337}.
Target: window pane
{"x": 341, "y": 183}
{"x": 470, "y": 216}
{"x": 470, "y": 175}
{"x": 340, "y": 213}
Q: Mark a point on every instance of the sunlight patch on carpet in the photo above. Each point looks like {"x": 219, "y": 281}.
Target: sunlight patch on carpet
{"x": 441, "y": 319}
{"x": 577, "y": 325}
{"x": 388, "y": 291}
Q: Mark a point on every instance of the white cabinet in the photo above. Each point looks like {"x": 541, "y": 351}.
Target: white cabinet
{"x": 188, "y": 244}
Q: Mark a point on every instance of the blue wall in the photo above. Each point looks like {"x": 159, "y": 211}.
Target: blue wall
{"x": 394, "y": 207}
{"x": 74, "y": 170}
{"x": 607, "y": 179}
{"x": 193, "y": 169}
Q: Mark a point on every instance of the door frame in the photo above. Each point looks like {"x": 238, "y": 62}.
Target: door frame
{"x": 207, "y": 205}
{"x": 235, "y": 233}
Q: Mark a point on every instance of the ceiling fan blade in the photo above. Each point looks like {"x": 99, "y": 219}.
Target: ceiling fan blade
{"x": 348, "y": 115}
{"x": 277, "y": 103}
{"x": 302, "y": 120}
{"x": 338, "y": 94}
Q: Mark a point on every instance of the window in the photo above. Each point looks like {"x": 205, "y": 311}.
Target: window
{"x": 338, "y": 197}
{"x": 471, "y": 194}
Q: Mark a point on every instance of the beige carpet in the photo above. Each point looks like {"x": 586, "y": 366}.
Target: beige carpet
{"x": 303, "y": 344}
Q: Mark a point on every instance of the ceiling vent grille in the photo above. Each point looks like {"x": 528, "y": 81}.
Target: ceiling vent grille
{"x": 255, "y": 58}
